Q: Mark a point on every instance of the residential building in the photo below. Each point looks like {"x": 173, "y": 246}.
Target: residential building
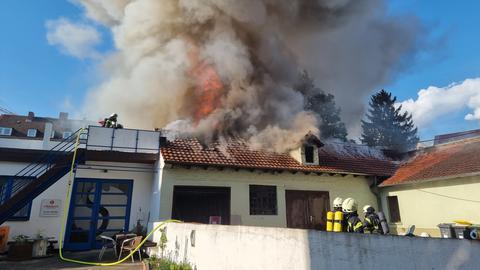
{"x": 438, "y": 184}
{"x": 125, "y": 176}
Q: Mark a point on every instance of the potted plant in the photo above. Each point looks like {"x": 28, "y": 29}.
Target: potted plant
{"x": 21, "y": 249}
{"x": 40, "y": 244}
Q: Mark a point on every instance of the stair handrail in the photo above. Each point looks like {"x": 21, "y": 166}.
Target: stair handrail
{"x": 43, "y": 163}
{"x": 65, "y": 143}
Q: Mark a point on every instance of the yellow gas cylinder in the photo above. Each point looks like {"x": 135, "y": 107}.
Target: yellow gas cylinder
{"x": 329, "y": 221}
{"x": 337, "y": 221}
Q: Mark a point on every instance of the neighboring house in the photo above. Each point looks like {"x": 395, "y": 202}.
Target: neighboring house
{"x": 124, "y": 176}
{"x": 438, "y": 184}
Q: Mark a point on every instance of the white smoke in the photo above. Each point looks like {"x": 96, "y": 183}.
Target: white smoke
{"x": 257, "y": 47}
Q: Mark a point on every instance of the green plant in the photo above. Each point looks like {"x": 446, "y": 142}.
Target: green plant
{"x": 163, "y": 240}
{"x": 166, "y": 264}
{"x": 21, "y": 238}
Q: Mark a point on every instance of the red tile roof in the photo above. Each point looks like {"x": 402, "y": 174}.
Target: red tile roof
{"x": 438, "y": 162}
{"x": 237, "y": 154}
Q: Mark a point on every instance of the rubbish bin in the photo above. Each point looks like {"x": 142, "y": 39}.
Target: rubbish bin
{"x": 446, "y": 230}
{"x": 462, "y": 232}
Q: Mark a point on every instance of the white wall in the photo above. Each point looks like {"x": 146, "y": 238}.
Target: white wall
{"x": 239, "y": 181}
{"x": 427, "y": 204}
{"x": 50, "y": 226}
{"x": 250, "y": 248}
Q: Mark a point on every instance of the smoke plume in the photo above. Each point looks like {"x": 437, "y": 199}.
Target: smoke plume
{"x": 225, "y": 68}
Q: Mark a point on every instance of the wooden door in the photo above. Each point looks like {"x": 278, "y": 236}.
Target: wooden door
{"x": 307, "y": 209}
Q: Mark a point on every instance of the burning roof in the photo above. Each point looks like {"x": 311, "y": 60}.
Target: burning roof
{"x": 238, "y": 155}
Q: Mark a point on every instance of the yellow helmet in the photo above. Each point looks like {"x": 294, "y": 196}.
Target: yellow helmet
{"x": 337, "y": 202}
{"x": 365, "y": 208}
{"x": 349, "y": 205}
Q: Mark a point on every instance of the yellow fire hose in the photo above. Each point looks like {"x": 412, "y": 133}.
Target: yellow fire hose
{"x": 64, "y": 219}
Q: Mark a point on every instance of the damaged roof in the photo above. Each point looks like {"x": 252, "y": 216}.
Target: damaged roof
{"x": 237, "y": 154}
{"x": 439, "y": 162}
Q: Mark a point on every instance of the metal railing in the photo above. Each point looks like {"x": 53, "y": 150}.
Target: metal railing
{"x": 42, "y": 164}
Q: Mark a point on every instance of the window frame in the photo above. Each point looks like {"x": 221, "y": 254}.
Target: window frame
{"x": 34, "y": 134}
{"x": 312, "y": 153}
{"x": 66, "y": 132}
{"x": 8, "y": 194}
{"x": 2, "y": 129}
{"x": 393, "y": 209}
{"x": 256, "y": 197}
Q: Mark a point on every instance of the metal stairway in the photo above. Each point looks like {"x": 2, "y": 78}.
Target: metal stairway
{"x": 38, "y": 176}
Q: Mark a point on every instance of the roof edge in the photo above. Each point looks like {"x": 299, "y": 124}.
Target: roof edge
{"x": 428, "y": 180}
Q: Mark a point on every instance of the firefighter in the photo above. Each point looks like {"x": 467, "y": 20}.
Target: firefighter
{"x": 351, "y": 220}
{"x": 372, "y": 221}
{"x": 111, "y": 121}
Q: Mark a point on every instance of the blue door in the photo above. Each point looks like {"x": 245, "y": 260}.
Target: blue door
{"x": 97, "y": 207}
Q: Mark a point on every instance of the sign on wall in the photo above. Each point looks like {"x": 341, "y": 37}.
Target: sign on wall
{"x": 50, "y": 208}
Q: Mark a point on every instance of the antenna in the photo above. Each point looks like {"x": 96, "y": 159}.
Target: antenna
{"x": 3, "y": 110}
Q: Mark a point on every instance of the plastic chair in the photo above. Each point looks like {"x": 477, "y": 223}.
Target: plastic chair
{"x": 129, "y": 245}
{"x": 108, "y": 242}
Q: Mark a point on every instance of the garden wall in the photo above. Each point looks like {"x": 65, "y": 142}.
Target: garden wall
{"x": 211, "y": 247}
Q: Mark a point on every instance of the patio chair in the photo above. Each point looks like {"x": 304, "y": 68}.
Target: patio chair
{"x": 108, "y": 242}
{"x": 129, "y": 245}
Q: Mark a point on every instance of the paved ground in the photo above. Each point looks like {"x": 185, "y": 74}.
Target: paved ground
{"x": 55, "y": 262}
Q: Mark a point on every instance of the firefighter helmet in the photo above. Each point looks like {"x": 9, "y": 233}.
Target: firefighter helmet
{"x": 337, "y": 202}
{"x": 368, "y": 209}
{"x": 349, "y": 205}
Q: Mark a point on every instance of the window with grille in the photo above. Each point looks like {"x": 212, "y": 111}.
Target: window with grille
{"x": 263, "y": 200}
{"x": 393, "y": 209}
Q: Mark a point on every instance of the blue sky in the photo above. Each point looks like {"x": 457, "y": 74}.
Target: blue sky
{"x": 36, "y": 76}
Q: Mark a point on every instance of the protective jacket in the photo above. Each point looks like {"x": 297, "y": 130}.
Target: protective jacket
{"x": 372, "y": 223}
{"x": 354, "y": 224}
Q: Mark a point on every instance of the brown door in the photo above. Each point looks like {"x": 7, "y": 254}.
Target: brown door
{"x": 307, "y": 209}
{"x": 199, "y": 203}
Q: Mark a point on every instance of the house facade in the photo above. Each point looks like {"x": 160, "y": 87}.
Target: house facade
{"x": 439, "y": 184}
{"x": 123, "y": 177}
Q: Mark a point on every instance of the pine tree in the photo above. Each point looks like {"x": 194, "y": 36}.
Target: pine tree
{"x": 387, "y": 126}
{"x": 323, "y": 106}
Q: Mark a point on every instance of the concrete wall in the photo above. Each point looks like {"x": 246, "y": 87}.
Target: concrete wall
{"x": 211, "y": 247}
{"x": 50, "y": 226}
{"x": 428, "y": 204}
{"x": 239, "y": 181}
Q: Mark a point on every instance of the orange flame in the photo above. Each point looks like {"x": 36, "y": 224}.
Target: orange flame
{"x": 208, "y": 91}
{"x": 209, "y": 86}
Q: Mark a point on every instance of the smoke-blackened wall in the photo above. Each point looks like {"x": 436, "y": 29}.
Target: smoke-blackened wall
{"x": 226, "y": 67}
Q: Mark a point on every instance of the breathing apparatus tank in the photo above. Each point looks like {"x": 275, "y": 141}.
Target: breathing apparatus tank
{"x": 383, "y": 223}
{"x": 337, "y": 221}
{"x": 330, "y": 221}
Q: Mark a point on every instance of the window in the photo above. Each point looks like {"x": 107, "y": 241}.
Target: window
{"x": 5, "y": 131}
{"x": 66, "y": 134}
{"x": 31, "y": 132}
{"x": 263, "y": 200}
{"x": 393, "y": 209}
{"x": 6, "y": 185}
{"x": 309, "y": 154}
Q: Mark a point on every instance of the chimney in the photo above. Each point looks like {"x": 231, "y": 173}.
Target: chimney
{"x": 63, "y": 116}
{"x": 30, "y": 117}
